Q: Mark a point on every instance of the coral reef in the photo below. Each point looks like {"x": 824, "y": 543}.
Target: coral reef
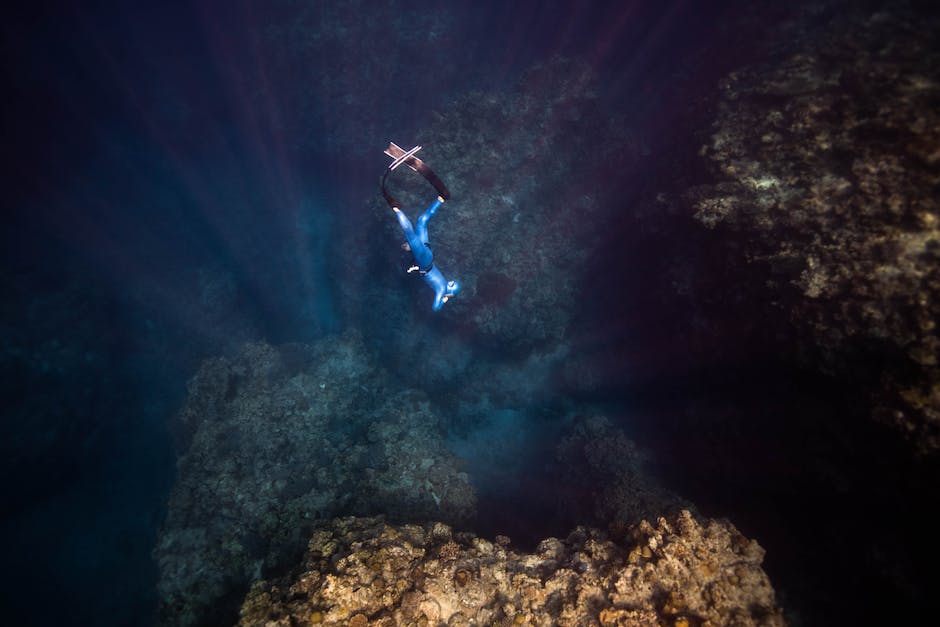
{"x": 362, "y": 571}
{"x": 275, "y": 439}
{"x": 829, "y": 165}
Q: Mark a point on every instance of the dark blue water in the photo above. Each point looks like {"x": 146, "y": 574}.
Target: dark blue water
{"x": 184, "y": 177}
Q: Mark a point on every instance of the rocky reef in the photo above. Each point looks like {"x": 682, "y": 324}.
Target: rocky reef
{"x": 525, "y": 166}
{"x": 274, "y": 440}
{"x": 363, "y": 571}
{"x": 810, "y": 223}
{"x": 828, "y": 164}
{"x": 623, "y": 490}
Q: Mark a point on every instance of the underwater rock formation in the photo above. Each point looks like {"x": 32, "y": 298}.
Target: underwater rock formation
{"x": 596, "y": 453}
{"x": 526, "y": 168}
{"x": 362, "y": 571}
{"x": 274, "y": 440}
{"x": 830, "y": 163}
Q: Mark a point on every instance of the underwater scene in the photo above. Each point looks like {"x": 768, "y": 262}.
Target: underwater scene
{"x": 455, "y": 313}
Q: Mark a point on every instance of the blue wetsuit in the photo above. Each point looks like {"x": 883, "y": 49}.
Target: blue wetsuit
{"x": 417, "y": 239}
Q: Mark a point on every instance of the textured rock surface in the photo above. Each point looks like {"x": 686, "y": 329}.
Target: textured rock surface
{"x": 276, "y": 439}
{"x": 365, "y": 572}
{"x": 596, "y": 453}
{"x": 525, "y": 167}
{"x": 830, "y": 163}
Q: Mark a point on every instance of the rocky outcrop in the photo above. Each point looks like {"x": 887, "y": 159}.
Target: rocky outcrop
{"x": 276, "y": 439}
{"x": 623, "y": 491}
{"x": 829, "y": 163}
{"x": 526, "y": 167}
{"x": 365, "y": 572}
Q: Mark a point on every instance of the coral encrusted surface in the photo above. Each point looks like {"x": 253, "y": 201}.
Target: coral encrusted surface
{"x": 362, "y": 571}
{"x": 623, "y": 491}
{"x": 275, "y": 440}
{"x": 529, "y": 169}
{"x": 830, "y": 161}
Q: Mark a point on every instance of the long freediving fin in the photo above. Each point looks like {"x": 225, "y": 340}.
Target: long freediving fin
{"x": 400, "y": 156}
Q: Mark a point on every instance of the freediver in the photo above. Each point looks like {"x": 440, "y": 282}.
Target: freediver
{"x": 416, "y": 238}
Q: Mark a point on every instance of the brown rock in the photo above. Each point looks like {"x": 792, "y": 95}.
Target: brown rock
{"x": 709, "y": 572}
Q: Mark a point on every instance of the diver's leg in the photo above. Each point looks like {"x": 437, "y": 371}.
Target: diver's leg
{"x": 405, "y": 224}
{"x": 422, "y": 228}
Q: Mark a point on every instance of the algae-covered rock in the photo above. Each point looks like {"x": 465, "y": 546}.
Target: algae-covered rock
{"x": 276, "y": 439}
{"x": 830, "y": 162}
{"x": 529, "y": 169}
{"x": 595, "y": 452}
{"x": 364, "y": 571}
